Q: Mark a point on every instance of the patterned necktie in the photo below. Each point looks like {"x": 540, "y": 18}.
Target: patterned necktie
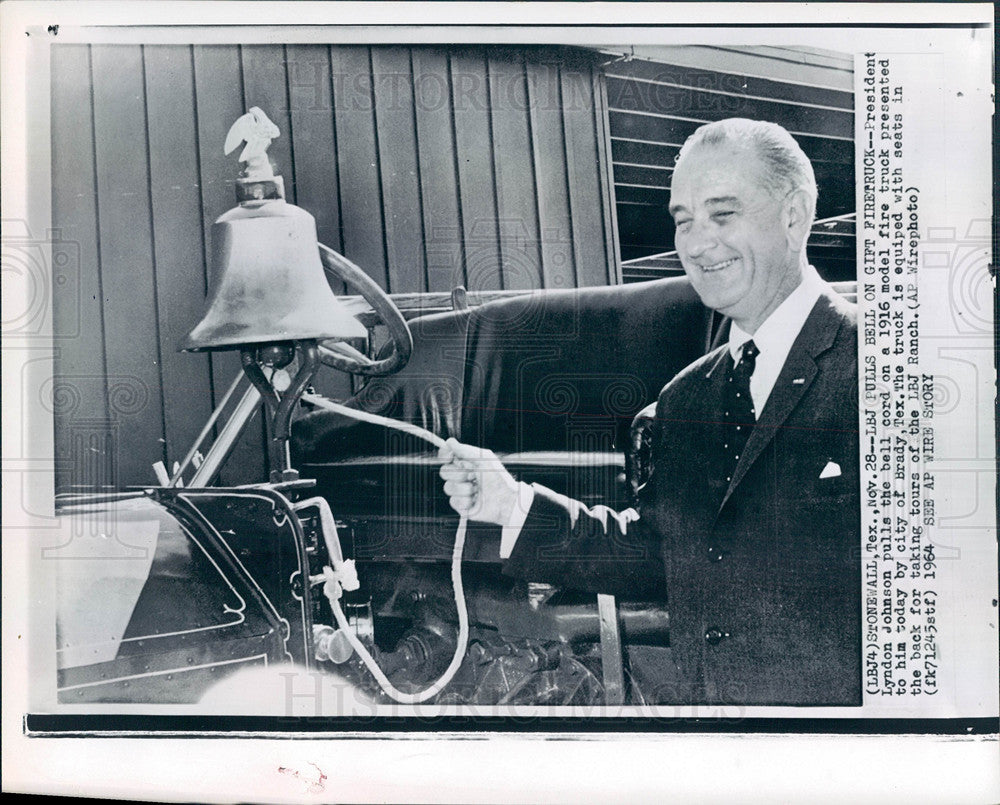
{"x": 740, "y": 413}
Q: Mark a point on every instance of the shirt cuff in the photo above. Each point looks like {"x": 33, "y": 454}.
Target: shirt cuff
{"x": 511, "y": 530}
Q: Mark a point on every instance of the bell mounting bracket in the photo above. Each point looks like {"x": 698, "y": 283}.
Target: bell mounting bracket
{"x": 280, "y": 403}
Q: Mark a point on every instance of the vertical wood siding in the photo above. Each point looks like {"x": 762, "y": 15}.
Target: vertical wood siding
{"x": 430, "y": 167}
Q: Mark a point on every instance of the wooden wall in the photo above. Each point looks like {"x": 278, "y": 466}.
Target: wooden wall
{"x": 655, "y": 103}
{"x": 429, "y": 167}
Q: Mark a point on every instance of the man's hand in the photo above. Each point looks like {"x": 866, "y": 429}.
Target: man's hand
{"x": 477, "y": 483}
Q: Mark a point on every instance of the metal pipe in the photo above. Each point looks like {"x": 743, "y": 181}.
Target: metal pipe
{"x": 611, "y": 650}
{"x": 204, "y": 431}
{"x": 221, "y": 447}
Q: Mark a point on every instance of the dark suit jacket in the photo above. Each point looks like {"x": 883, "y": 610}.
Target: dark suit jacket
{"x": 762, "y": 575}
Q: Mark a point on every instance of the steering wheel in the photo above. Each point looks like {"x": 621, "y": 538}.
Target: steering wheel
{"x": 344, "y": 357}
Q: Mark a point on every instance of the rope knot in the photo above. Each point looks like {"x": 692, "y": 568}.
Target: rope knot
{"x": 337, "y": 581}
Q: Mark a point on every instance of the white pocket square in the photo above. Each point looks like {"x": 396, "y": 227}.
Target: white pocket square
{"x": 831, "y": 470}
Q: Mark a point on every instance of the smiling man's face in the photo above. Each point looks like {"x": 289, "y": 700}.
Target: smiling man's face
{"x": 735, "y": 238}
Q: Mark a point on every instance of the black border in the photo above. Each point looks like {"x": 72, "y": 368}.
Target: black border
{"x": 474, "y": 726}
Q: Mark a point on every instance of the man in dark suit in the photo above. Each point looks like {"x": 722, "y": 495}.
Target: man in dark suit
{"x": 750, "y": 521}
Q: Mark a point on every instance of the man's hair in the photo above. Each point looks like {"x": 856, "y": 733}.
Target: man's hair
{"x": 786, "y": 167}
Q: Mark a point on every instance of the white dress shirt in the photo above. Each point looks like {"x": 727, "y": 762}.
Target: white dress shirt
{"x": 775, "y": 336}
{"x": 774, "y": 339}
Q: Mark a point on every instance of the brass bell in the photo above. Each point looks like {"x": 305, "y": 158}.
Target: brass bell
{"x": 269, "y": 284}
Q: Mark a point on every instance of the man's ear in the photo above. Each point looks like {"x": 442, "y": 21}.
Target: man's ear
{"x": 799, "y": 210}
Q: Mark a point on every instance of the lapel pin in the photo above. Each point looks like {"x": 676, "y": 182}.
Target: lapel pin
{"x": 798, "y": 381}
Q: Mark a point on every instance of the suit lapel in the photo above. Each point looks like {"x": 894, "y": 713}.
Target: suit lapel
{"x": 715, "y": 373}
{"x": 797, "y": 375}
{"x": 706, "y": 397}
